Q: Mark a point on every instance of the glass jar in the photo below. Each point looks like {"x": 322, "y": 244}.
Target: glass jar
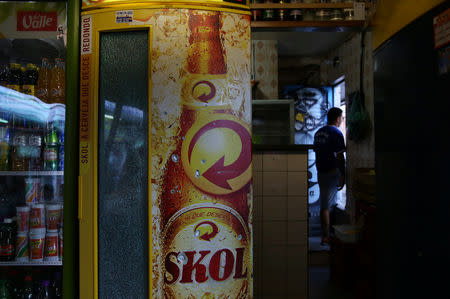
{"x": 308, "y": 15}
{"x": 349, "y": 14}
{"x": 296, "y": 13}
{"x": 337, "y": 15}
{"x": 268, "y": 14}
{"x": 322, "y": 15}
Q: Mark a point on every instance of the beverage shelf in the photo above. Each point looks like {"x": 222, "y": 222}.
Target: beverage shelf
{"x": 44, "y": 263}
{"x": 286, "y": 24}
{"x": 31, "y": 173}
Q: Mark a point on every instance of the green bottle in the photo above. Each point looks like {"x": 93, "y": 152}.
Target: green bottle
{"x": 4, "y": 290}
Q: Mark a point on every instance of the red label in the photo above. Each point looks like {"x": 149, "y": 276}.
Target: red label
{"x": 37, "y": 21}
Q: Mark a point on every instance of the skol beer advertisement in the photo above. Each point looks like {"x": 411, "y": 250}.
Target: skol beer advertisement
{"x": 201, "y": 173}
{"x": 201, "y": 152}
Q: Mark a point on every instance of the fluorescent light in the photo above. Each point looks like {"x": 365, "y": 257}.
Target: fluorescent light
{"x": 109, "y": 116}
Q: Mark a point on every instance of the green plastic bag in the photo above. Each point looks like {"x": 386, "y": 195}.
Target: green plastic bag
{"x": 358, "y": 122}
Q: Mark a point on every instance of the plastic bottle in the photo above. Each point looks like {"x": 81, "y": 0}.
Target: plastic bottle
{"x": 61, "y": 152}
{"x": 8, "y": 241}
{"x": 4, "y": 75}
{"x": 15, "y": 77}
{"x": 56, "y": 284}
{"x": 43, "y": 83}
{"x": 46, "y": 291}
{"x": 4, "y": 143}
{"x": 58, "y": 82}
{"x": 27, "y": 290}
{"x": 51, "y": 148}
{"x": 6, "y": 209}
{"x": 19, "y": 146}
{"x": 30, "y": 79}
{"x": 5, "y": 293}
{"x": 35, "y": 147}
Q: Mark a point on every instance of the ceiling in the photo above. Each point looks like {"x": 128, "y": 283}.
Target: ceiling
{"x": 293, "y": 43}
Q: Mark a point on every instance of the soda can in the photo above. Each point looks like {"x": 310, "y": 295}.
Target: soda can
{"x": 32, "y": 190}
{"x": 51, "y": 247}
{"x": 22, "y": 247}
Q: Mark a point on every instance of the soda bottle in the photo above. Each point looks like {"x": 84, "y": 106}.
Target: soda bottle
{"x": 57, "y": 285}
{"x": 58, "y": 82}
{"x": 46, "y": 291}
{"x": 43, "y": 83}
{"x": 51, "y": 148}
{"x": 4, "y": 75}
{"x": 19, "y": 145}
{"x": 5, "y": 293}
{"x": 8, "y": 241}
{"x": 15, "y": 77}
{"x": 4, "y": 143}
{"x": 30, "y": 79}
{"x": 27, "y": 290}
{"x": 61, "y": 152}
{"x": 35, "y": 147}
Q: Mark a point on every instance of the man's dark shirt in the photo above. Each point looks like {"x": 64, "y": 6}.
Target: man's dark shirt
{"x": 328, "y": 142}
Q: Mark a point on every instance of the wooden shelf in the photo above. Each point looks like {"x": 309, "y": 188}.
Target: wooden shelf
{"x": 301, "y": 5}
{"x": 288, "y": 24}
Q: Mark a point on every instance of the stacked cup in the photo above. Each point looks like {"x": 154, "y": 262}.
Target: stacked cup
{"x": 39, "y": 230}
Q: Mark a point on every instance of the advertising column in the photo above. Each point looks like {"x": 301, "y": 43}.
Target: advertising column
{"x": 205, "y": 197}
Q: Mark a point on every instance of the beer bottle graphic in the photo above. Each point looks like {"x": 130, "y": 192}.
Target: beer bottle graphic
{"x": 206, "y": 200}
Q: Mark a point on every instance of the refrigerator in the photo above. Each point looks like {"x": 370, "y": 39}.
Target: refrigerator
{"x": 165, "y": 202}
{"x": 33, "y": 41}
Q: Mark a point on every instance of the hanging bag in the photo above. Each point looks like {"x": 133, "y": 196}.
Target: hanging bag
{"x": 358, "y": 121}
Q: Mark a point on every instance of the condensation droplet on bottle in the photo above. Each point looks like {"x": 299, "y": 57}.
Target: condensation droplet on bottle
{"x": 240, "y": 237}
{"x": 203, "y": 161}
{"x": 175, "y": 158}
{"x": 197, "y": 173}
{"x": 183, "y": 138}
{"x": 172, "y": 191}
{"x": 182, "y": 258}
{"x": 197, "y": 233}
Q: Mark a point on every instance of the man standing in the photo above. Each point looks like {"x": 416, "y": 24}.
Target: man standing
{"x": 330, "y": 162}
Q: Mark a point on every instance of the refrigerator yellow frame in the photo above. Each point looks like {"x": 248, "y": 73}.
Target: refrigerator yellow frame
{"x": 194, "y": 4}
{"x": 102, "y": 16}
{"x": 102, "y": 21}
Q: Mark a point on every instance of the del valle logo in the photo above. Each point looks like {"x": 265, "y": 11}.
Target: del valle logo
{"x": 37, "y": 21}
{"x": 216, "y": 154}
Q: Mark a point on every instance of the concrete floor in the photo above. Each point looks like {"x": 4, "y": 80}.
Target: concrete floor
{"x": 321, "y": 287}
{"x": 320, "y": 284}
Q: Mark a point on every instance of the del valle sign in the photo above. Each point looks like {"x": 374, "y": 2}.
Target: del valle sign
{"x": 37, "y": 21}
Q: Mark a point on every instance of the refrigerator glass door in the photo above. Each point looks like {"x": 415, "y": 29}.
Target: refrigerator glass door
{"x": 123, "y": 165}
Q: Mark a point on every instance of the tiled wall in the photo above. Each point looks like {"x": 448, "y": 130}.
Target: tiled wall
{"x": 280, "y": 225}
{"x": 265, "y": 68}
